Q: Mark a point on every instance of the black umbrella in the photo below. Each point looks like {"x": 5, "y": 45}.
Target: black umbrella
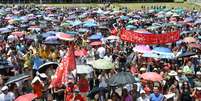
{"x": 18, "y": 78}
{"x": 96, "y": 90}
{"x": 45, "y": 66}
{"x": 186, "y": 54}
{"x": 121, "y": 78}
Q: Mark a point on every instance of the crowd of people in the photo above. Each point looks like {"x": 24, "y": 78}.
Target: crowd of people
{"x": 29, "y": 39}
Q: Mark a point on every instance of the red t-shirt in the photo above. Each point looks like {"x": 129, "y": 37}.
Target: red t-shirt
{"x": 83, "y": 85}
{"x": 37, "y": 88}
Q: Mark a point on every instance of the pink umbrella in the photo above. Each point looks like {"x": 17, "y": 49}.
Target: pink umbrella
{"x": 18, "y": 34}
{"x": 189, "y": 39}
{"x": 194, "y": 45}
{"x": 96, "y": 43}
{"x": 152, "y": 76}
{"x": 64, "y": 36}
{"x": 26, "y": 97}
{"x": 142, "y": 49}
{"x": 81, "y": 52}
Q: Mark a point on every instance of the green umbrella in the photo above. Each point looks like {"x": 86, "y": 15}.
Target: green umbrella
{"x": 102, "y": 64}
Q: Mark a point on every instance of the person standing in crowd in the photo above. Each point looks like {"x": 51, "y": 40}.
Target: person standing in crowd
{"x": 156, "y": 96}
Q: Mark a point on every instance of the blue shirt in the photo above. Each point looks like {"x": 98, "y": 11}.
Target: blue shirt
{"x": 37, "y": 62}
{"x": 153, "y": 97}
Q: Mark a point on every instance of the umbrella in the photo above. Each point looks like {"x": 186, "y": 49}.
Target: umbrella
{"x": 90, "y": 24}
{"x": 189, "y": 19}
{"x": 64, "y": 36}
{"x": 96, "y": 43}
{"x": 131, "y": 27}
{"x": 161, "y": 50}
{"x": 17, "y": 78}
{"x": 71, "y": 32}
{"x": 159, "y": 56}
{"x": 194, "y": 45}
{"x": 121, "y": 78}
{"x": 51, "y": 38}
{"x": 81, "y": 52}
{"x": 152, "y": 76}
{"x": 5, "y": 30}
{"x": 55, "y": 42}
{"x": 95, "y": 37}
{"x": 76, "y": 23}
{"x": 26, "y": 97}
{"x": 47, "y": 34}
{"x": 112, "y": 37}
{"x": 142, "y": 49}
{"x": 102, "y": 64}
{"x": 82, "y": 30}
{"x": 189, "y": 39}
{"x": 186, "y": 54}
{"x": 84, "y": 69}
{"x": 18, "y": 34}
{"x": 124, "y": 17}
{"x": 65, "y": 24}
{"x": 45, "y": 66}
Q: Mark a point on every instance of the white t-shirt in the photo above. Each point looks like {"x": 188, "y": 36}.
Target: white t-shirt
{"x": 9, "y": 97}
{"x": 2, "y": 95}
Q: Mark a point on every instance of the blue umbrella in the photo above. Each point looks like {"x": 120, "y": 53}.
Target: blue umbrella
{"x": 124, "y": 17}
{"x": 82, "y": 30}
{"x": 162, "y": 50}
{"x": 160, "y": 56}
{"x": 95, "y": 37}
{"x": 71, "y": 32}
{"x": 131, "y": 27}
{"x": 5, "y": 30}
{"x": 90, "y": 24}
{"x": 188, "y": 19}
{"x": 76, "y": 23}
{"x": 198, "y": 21}
{"x": 50, "y": 33}
{"x": 137, "y": 16}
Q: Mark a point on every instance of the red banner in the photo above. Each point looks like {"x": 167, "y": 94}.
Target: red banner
{"x": 139, "y": 38}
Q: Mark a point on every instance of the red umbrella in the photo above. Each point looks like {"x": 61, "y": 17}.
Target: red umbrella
{"x": 152, "y": 76}
{"x": 96, "y": 43}
{"x": 64, "y": 36}
{"x": 26, "y": 97}
{"x": 18, "y": 34}
{"x": 81, "y": 52}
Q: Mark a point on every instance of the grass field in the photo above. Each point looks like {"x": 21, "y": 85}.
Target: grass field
{"x": 133, "y": 5}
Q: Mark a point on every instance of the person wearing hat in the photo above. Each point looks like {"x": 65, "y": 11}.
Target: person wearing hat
{"x": 156, "y": 96}
{"x": 180, "y": 77}
{"x": 143, "y": 96}
{"x": 6, "y": 95}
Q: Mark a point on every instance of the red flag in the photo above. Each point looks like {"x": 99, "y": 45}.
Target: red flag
{"x": 67, "y": 64}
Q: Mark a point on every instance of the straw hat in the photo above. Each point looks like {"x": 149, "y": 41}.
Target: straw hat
{"x": 172, "y": 73}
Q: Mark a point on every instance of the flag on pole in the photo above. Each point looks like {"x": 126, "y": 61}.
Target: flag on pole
{"x": 66, "y": 65}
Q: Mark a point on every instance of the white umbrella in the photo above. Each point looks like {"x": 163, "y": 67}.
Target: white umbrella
{"x": 112, "y": 37}
{"x": 84, "y": 69}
